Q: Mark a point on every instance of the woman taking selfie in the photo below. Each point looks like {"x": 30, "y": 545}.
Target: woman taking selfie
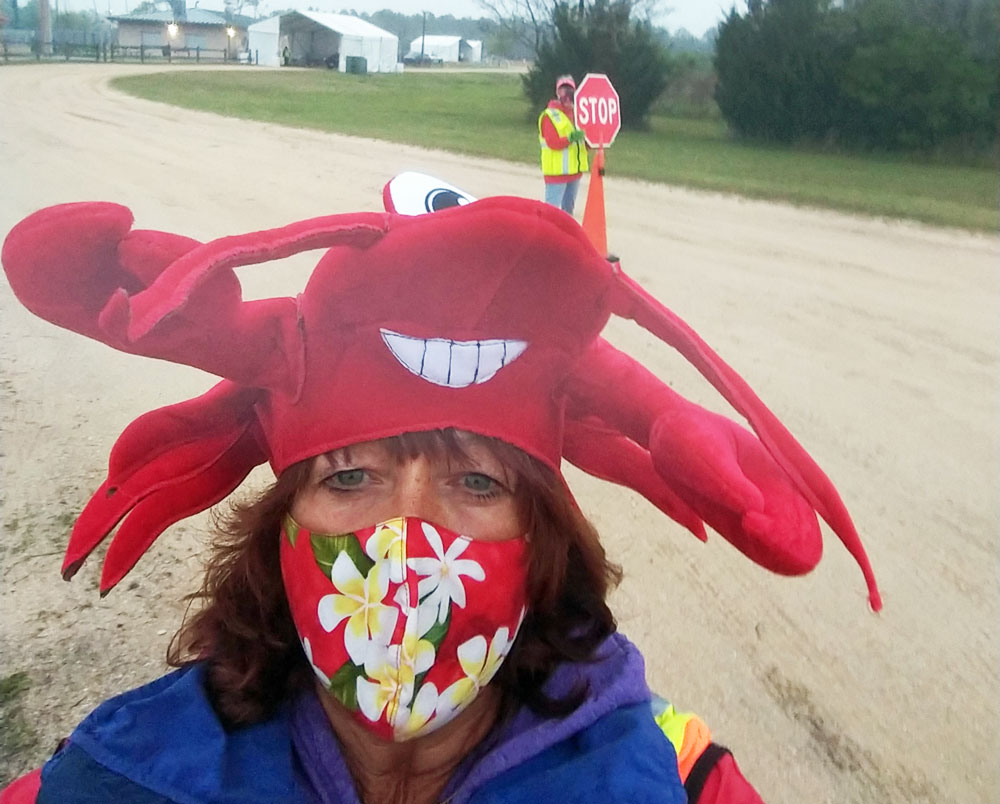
{"x": 415, "y": 611}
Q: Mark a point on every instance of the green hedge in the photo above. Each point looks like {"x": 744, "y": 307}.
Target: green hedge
{"x": 872, "y": 73}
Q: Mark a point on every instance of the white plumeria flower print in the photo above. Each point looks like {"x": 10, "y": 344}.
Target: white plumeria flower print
{"x": 479, "y": 664}
{"x": 388, "y": 543}
{"x": 307, "y": 649}
{"x": 409, "y": 722}
{"x": 416, "y": 655}
{"x": 392, "y": 671}
{"x": 442, "y": 581}
{"x": 385, "y": 686}
{"x": 369, "y": 621}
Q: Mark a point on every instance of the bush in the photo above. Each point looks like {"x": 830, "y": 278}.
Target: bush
{"x": 777, "y": 71}
{"x": 872, "y": 74}
{"x": 602, "y": 38}
{"x": 910, "y": 86}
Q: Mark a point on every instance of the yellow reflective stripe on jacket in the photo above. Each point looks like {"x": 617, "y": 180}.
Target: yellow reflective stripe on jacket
{"x": 688, "y": 734}
{"x": 570, "y": 160}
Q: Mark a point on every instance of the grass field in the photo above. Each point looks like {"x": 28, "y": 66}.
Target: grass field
{"x": 485, "y": 114}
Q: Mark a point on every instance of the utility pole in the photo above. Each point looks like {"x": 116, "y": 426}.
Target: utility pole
{"x": 423, "y": 38}
{"x": 44, "y": 28}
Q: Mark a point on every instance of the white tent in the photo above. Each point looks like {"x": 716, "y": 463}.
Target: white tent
{"x": 435, "y": 48}
{"x": 262, "y": 41}
{"x": 470, "y": 51}
{"x": 313, "y": 38}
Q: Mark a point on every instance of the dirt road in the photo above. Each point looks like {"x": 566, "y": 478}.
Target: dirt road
{"x": 876, "y": 342}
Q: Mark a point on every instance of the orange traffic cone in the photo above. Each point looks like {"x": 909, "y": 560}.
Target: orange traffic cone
{"x": 593, "y": 214}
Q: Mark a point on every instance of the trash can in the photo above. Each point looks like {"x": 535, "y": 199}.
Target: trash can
{"x": 356, "y": 65}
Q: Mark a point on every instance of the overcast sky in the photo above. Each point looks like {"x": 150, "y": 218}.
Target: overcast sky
{"x": 695, "y": 15}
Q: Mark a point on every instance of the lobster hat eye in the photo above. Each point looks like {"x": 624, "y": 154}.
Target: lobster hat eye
{"x": 413, "y": 193}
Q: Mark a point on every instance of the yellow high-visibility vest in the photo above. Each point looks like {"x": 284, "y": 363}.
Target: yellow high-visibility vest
{"x": 569, "y": 161}
{"x": 688, "y": 734}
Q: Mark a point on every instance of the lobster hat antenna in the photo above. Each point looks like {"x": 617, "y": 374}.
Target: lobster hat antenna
{"x": 631, "y": 301}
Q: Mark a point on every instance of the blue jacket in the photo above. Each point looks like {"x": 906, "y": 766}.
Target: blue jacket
{"x": 163, "y": 744}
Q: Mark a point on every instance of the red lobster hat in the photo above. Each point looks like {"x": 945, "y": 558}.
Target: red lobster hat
{"x": 485, "y": 316}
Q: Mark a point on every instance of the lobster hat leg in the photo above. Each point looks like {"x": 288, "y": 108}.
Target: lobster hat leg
{"x": 632, "y": 302}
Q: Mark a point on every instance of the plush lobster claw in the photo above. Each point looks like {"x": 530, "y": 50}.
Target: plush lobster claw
{"x": 601, "y": 451}
{"x": 64, "y": 263}
{"x": 720, "y": 473}
{"x": 739, "y": 489}
{"x": 761, "y": 492}
{"x": 161, "y": 295}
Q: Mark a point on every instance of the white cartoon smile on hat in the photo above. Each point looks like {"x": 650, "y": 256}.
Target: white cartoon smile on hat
{"x": 451, "y": 363}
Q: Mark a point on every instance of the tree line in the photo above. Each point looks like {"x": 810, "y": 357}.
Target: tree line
{"x": 875, "y": 74}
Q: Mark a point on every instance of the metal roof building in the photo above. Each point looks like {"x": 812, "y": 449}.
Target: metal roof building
{"x": 183, "y": 28}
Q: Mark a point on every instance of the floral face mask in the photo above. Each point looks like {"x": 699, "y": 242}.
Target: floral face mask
{"x": 403, "y": 622}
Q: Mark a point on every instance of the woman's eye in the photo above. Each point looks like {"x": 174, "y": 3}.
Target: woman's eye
{"x": 347, "y": 478}
{"x": 480, "y": 484}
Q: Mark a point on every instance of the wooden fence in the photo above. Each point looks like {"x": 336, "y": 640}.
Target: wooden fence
{"x": 105, "y": 52}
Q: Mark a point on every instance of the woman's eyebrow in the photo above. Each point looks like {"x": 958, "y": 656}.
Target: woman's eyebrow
{"x": 336, "y": 457}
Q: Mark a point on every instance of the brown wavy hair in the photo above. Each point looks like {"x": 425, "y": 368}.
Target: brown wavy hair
{"x": 243, "y": 629}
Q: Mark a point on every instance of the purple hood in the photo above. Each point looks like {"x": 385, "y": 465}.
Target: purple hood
{"x": 616, "y": 678}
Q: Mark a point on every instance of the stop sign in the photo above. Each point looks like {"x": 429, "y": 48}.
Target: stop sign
{"x": 598, "y": 110}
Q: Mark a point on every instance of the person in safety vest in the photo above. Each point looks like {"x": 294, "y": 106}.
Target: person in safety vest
{"x": 564, "y": 152}
{"x": 416, "y": 609}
